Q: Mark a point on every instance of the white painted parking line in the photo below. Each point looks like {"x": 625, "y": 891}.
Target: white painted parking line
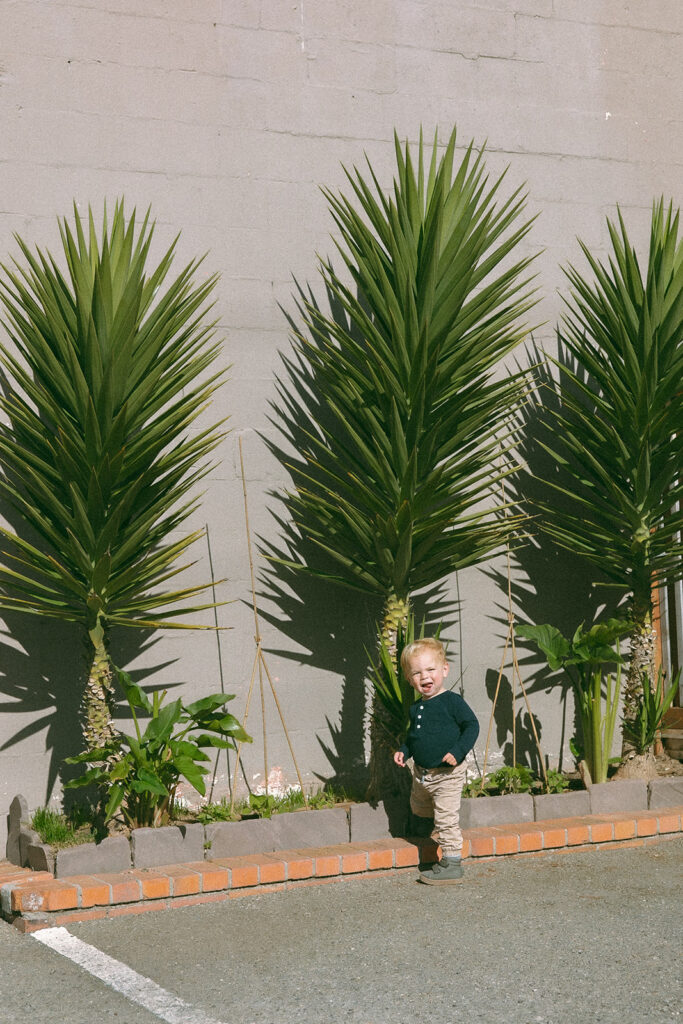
{"x": 123, "y": 979}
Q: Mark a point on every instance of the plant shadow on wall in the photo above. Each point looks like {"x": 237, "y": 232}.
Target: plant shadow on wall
{"x": 41, "y": 686}
{"x": 333, "y": 623}
{"x": 548, "y": 583}
{"x": 43, "y": 670}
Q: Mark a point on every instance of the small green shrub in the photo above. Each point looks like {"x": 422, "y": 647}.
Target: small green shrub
{"x": 328, "y": 796}
{"x": 139, "y": 775}
{"x": 512, "y": 779}
{"x": 265, "y": 805}
{"x": 218, "y": 812}
{"x": 476, "y": 787}
{"x": 650, "y": 709}
{"x": 58, "y": 829}
{"x": 517, "y": 779}
{"x": 556, "y": 782}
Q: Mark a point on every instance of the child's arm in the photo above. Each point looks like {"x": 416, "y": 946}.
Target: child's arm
{"x": 468, "y": 725}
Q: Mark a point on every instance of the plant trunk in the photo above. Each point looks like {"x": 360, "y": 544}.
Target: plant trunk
{"x": 389, "y": 783}
{"x": 96, "y": 705}
{"x": 641, "y": 659}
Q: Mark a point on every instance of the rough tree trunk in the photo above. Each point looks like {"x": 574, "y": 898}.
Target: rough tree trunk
{"x": 96, "y": 704}
{"x": 641, "y": 651}
{"x": 641, "y": 662}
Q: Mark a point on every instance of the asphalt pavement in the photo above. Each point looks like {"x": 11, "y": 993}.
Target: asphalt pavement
{"x": 579, "y": 938}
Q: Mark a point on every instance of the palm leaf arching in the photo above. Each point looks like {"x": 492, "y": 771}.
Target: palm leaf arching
{"x": 617, "y": 439}
{"x": 394, "y": 393}
{"x": 105, "y": 376}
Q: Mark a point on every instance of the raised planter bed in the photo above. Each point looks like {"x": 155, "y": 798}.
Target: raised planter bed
{"x": 189, "y": 843}
{"x": 361, "y": 822}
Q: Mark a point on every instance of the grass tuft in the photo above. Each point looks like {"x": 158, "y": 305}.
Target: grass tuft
{"x": 58, "y": 829}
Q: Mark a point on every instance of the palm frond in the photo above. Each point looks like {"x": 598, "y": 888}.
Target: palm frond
{"x": 391, "y": 400}
{"x": 105, "y": 379}
{"x": 616, "y": 437}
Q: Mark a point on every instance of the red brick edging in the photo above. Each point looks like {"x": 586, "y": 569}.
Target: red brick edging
{"x": 33, "y": 900}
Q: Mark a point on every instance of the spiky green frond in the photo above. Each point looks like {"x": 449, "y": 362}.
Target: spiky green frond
{"x": 106, "y": 372}
{"x": 392, "y": 404}
{"x": 617, "y": 435}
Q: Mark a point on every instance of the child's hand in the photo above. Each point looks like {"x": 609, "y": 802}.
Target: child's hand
{"x": 399, "y": 759}
{"x": 448, "y": 759}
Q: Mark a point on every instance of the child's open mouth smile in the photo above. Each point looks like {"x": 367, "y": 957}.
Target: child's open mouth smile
{"x": 427, "y": 673}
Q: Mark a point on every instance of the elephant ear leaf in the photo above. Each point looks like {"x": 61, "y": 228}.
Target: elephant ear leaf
{"x": 135, "y": 695}
{"x": 549, "y": 640}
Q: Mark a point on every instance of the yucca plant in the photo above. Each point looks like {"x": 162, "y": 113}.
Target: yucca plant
{"x": 394, "y": 693}
{"x": 654, "y": 703}
{"x": 616, "y": 437}
{"x": 392, "y": 403}
{"x": 105, "y": 376}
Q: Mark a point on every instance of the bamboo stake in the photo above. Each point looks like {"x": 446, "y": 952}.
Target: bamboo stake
{"x": 244, "y": 723}
{"x": 516, "y": 678}
{"x": 260, "y": 659}
{"x": 220, "y": 660}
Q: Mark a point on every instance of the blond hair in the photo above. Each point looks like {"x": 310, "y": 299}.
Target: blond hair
{"x": 427, "y": 643}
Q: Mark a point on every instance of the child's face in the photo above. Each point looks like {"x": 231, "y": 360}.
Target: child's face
{"x": 427, "y": 672}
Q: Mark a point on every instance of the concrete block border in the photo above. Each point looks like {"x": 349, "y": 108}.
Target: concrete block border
{"x": 483, "y": 811}
{"x": 32, "y": 900}
{"x": 360, "y": 822}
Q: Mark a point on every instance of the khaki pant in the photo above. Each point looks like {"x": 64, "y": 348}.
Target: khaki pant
{"x": 436, "y": 792}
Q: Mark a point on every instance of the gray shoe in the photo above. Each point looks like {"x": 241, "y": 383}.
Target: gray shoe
{"x": 445, "y": 872}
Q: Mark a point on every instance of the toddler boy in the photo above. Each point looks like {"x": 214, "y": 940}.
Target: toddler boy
{"x": 442, "y": 731}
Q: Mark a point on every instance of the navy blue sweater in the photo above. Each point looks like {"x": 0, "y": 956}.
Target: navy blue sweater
{"x": 443, "y": 724}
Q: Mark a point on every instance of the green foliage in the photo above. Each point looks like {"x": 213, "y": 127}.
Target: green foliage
{"x": 508, "y": 779}
{"x": 293, "y": 800}
{"x": 476, "y": 787}
{"x": 142, "y": 772}
{"x": 53, "y": 827}
{"x": 263, "y": 804}
{"x": 615, "y": 440}
{"x": 58, "y": 829}
{"x": 650, "y": 710}
{"x": 395, "y": 408}
{"x": 107, "y": 372}
{"x": 328, "y": 796}
{"x": 219, "y": 811}
{"x": 516, "y": 779}
{"x": 556, "y": 782}
{"x": 395, "y": 405}
{"x": 392, "y": 688}
{"x": 584, "y": 658}
{"x": 512, "y": 779}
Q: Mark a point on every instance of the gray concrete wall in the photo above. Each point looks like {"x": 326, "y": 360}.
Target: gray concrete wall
{"x": 226, "y": 116}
